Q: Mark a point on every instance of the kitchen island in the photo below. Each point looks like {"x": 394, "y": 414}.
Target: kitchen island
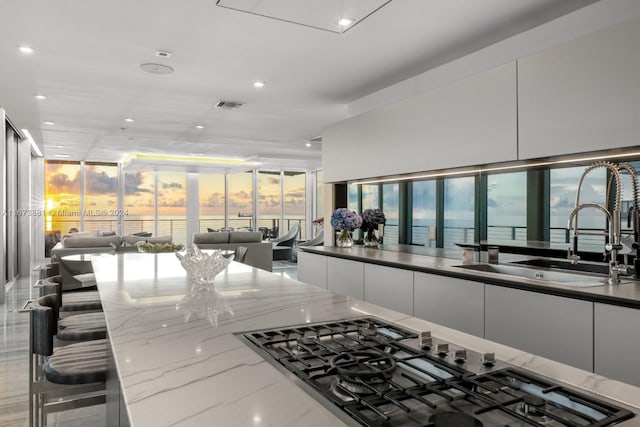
{"x": 177, "y": 372}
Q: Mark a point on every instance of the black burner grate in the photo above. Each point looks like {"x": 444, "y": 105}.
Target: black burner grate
{"x": 374, "y": 372}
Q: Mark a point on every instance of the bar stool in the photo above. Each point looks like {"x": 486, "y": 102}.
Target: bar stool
{"x": 71, "y": 301}
{"x": 63, "y": 378}
{"x": 75, "y": 327}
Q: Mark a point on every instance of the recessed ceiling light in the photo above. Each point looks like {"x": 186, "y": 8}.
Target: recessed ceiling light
{"x": 345, "y": 22}
{"x": 26, "y": 49}
{"x": 308, "y": 144}
{"x": 259, "y": 84}
{"x": 199, "y": 127}
{"x": 38, "y": 96}
{"x": 48, "y": 123}
{"x": 62, "y": 156}
{"x": 129, "y": 119}
{"x": 62, "y": 146}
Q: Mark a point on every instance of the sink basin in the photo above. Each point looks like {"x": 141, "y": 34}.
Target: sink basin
{"x": 559, "y": 264}
{"x": 539, "y": 274}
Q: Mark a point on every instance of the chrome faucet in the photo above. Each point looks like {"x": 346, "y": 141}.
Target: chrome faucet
{"x": 633, "y": 215}
{"x": 613, "y": 244}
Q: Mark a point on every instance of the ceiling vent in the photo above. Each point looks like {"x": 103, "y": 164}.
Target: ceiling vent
{"x": 229, "y": 105}
{"x": 316, "y": 139}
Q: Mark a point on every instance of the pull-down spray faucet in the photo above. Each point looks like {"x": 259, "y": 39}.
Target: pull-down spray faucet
{"x": 613, "y": 221}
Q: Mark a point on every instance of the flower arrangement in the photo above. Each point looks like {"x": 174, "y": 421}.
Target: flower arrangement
{"x": 344, "y": 219}
{"x": 371, "y": 218}
{"x": 158, "y": 247}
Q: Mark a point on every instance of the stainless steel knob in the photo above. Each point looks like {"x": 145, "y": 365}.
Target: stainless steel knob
{"x": 425, "y": 340}
{"x": 488, "y": 359}
{"x": 460, "y": 355}
{"x": 442, "y": 349}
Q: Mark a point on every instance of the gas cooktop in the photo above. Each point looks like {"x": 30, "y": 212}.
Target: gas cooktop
{"x": 373, "y": 373}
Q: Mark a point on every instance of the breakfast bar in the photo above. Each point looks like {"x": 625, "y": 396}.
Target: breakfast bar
{"x": 176, "y": 369}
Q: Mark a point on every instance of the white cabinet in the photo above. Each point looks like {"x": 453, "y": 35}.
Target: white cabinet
{"x": 389, "y": 287}
{"x": 312, "y": 269}
{"x": 471, "y": 121}
{"x": 582, "y": 95}
{"x": 451, "y": 302}
{"x": 550, "y": 326}
{"x": 345, "y": 277}
{"x": 617, "y": 343}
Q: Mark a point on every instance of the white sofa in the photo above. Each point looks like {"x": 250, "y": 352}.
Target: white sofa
{"x": 259, "y": 253}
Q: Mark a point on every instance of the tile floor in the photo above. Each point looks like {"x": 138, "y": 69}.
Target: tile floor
{"x": 14, "y": 373}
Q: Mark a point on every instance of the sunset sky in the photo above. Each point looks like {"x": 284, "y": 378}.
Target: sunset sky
{"x": 101, "y": 185}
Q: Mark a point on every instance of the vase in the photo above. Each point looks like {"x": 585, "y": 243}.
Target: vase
{"x": 370, "y": 239}
{"x": 344, "y": 239}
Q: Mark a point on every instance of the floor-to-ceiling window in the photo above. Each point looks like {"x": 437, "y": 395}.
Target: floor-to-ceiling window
{"x": 62, "y": 195}
{"x": 270, "y": 201}
{"x": 139, "y": 202}
{"x": 212, "y": 201}
{"x": 172, "y": 205}
{"x": 240, "y": 205}
{"x": 294, "y": 201}
{"x": 101, "y": 197}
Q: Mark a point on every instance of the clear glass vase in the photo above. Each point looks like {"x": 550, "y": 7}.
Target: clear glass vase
{"x": 344, "y": 239}
{"x": 370, "y": 239}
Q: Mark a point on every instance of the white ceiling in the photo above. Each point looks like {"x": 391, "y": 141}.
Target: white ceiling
{"x": 88, "y": 55}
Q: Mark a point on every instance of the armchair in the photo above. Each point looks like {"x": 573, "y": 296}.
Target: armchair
{"x": 283, "y": 246}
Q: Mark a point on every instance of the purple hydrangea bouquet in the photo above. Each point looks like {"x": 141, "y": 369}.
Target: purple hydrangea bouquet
{"x": 345, "y": 221}
{"x": 372, "y": 219}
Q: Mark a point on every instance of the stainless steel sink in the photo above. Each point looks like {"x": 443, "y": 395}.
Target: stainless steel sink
{"x": 560, "y": 264}
{"x": 539, "y": 274}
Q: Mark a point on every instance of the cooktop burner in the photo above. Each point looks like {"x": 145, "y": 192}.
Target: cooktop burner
{"x": 378, "y": 374}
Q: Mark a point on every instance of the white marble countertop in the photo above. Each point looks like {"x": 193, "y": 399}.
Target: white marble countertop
{"x": 174, "y": 372}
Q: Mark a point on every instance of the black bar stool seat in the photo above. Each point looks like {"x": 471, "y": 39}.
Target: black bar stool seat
{"x": 82, "y": 327}
{"x": 80, "y": 363}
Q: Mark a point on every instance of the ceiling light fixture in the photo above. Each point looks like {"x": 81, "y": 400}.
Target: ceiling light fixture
{"x": 62, "y": 156}
{"x": 129, "y": 120}
{"x": 345, "y": 22}
{"x": 308, "y": 144}
{"x": 26, "y": 49}
{"x": 62, "y": 146}
{"x": 199, "y": 127}
{"x": 48, "y": 123}
{"x": 38, "y": 96}
{"x": 259, "y": 84}
{"x": 153, "y": 68}
{"x": 32, "y": 143}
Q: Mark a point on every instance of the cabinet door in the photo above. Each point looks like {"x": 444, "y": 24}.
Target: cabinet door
{"x": 312, "y": 269}
{"x": 554, "y": 327}
{"x": 617, "y": 343}
{"x": 451, "y": 302}
{"x": 582, "y": 95}
{"x": 345, "y": 277}
{"x": 389, "y": 287}
{"x": 468, "y": 122}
